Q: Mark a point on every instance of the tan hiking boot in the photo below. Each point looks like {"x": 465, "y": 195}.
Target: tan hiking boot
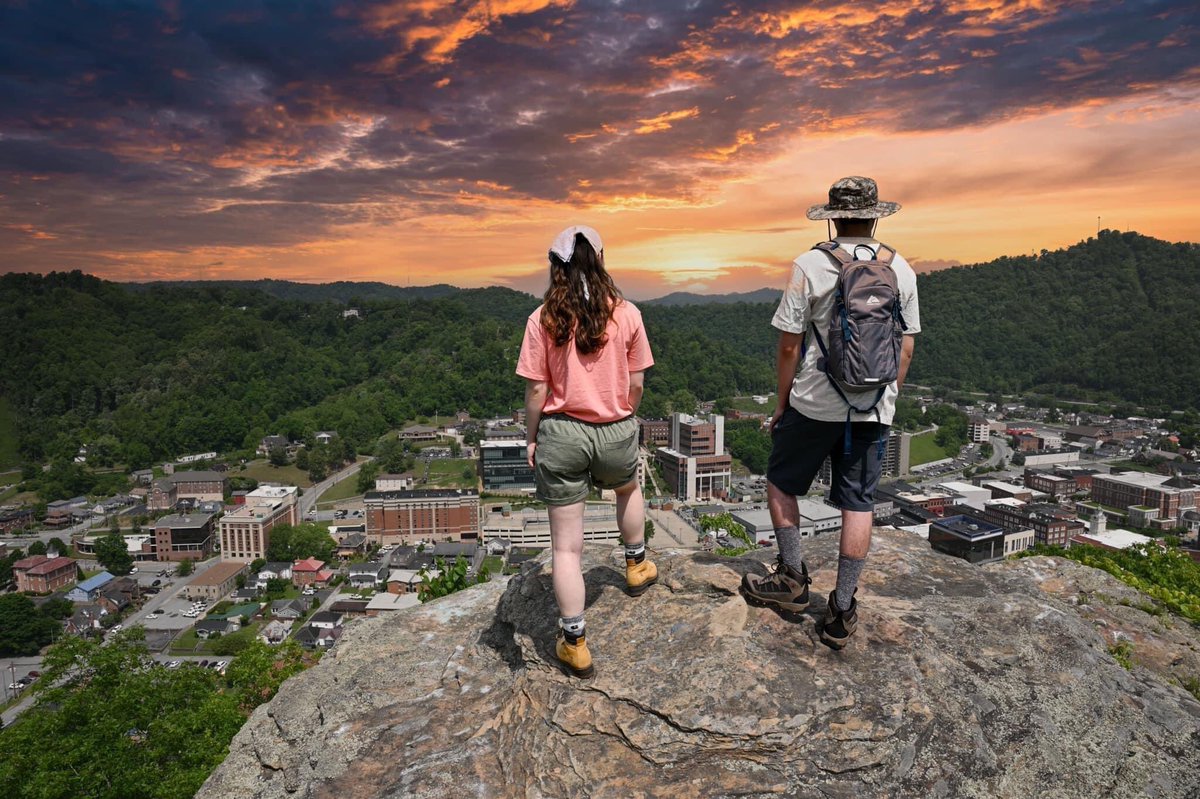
{"x": 784, "y": 589}
{"x": 640, "y": 576}
{"x": 575, "y": 657}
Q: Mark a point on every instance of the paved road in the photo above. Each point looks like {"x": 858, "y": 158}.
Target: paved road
{"x": 309, "y": 500}
{"x": 1000, "y": 451}
{"x": 671, "y": 531}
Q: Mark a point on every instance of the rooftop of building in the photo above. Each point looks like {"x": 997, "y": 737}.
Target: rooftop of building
{"x": 1114, "y": 538}
{"x": 422, "y": 493}
{"x": 968, "y": 527}
{"x": 271, "y": 492}
{"x": 208, "y": 476}
{"x": 184, "y": 521}
{"x": 218, "y": 573}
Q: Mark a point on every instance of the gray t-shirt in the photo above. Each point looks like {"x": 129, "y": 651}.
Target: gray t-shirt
{"x": 807, "y": 301}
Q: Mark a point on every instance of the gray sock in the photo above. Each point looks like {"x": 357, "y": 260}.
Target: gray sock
{"x": 849, "y": 570}
{"x": 572, "y": 627}
{"x": 788, "y": 540}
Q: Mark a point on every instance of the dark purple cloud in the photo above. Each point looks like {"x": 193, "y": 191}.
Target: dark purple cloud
{"x": 175, "y": 125}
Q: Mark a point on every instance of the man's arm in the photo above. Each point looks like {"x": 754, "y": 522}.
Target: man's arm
{"x": 906, "y": 353}
{"x": 787, "y": 357}
{"x": 535, "y": 399}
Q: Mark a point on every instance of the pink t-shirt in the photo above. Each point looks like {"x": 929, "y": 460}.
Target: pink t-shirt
{"x": 595, "y": 387}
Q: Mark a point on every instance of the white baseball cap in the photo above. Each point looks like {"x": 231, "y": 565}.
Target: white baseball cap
{"x": 564, "y": 243}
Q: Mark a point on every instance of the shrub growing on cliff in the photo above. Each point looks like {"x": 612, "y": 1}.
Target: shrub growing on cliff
{"x": 449, "y": 579}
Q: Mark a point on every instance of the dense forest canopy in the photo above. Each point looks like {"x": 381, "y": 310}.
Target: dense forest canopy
{"x": 140, "y": 374}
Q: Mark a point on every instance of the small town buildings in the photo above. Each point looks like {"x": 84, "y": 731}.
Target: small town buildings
{"x": 654, "y": 432}
{"x": 289, "y": 608}
{"x": 504, "y": 466}
{"x": 39, "y": 574}
{"x": 311, "y": 637}
{"x": 349, "y": 608}
{"x": 18, "y": 519}
{"x": 183, "y": 536}
{"x": 967, "y": 537}
{"x": 119, "y": 594}
{"x": 163, "y": 495}
{"x": 216, "y": 581}
{"x": 979, "y": 429}
{"x": 406, "y": 581}
{"x": 405, "y": 481}
{"x": 1165, "y": 498}
{"x": 418, "y": 432}
{"x": 203, "y": 486}
{"x": 274, "y": 570}
{"x": 88, "y": 590}
{"x": 310, "y": 571}
{"x": 214, "y": 627}
{"x": 531, "y": 526}
{"x": 352, "y": 546}
{"x": 325, "y": 619}
{"x": 325, "y": 436}
{"x": 815, "y": 518}
{"x": 367, "y": 575}
{"x": 695, "y": 465}
{"x": 398, "y": 517}
{"x": 269, "y": 443}
{"x": 389, "y": 602}
{"x": 275, "y": 631}
{"x": 86, "y": 619}
{"x": 246, "y": 529}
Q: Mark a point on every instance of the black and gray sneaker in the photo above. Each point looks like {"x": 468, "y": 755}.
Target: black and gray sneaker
{"x": 838, "y": 625}
{"x": 784, "y": 589}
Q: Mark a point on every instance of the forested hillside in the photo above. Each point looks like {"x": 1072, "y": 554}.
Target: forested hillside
{"x": 141, "y": 374}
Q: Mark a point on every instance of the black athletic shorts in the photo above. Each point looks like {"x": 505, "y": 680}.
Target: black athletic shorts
{"x": 799, "y": 446}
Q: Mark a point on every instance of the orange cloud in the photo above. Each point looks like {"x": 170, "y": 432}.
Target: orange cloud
{"x": 663, "y": 121}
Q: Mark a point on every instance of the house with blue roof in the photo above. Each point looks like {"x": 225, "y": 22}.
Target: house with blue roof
{"x": 89, "y": 590}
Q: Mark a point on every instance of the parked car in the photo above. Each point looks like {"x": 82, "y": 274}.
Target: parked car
{"x": 174, "y": 664}
{"x": 203, "y": 664}
{"x": 156, "y": 582}
{"x": 35, "y": 674}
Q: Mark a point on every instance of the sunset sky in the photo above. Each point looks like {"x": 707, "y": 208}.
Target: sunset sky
{"x": 447, "y": 142}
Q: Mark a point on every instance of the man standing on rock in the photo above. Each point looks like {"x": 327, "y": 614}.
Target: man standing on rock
{"x": 841, "y": 402}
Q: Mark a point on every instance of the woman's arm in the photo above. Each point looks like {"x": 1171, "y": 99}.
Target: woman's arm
{"x": 637, "y": 382}
{"x": 535, "y": 400}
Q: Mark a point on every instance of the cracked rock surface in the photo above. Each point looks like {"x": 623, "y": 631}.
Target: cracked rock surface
{"x": 962, "y": 681}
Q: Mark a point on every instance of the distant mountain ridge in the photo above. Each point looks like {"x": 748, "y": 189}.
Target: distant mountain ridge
{"x": 690, "y": 298}
{"x": 343, "y": 291}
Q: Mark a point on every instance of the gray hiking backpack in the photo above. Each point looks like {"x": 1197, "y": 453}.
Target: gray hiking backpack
{"x": 865, "y": 328}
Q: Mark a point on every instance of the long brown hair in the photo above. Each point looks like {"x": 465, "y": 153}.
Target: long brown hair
{"x": 570, "y": 309}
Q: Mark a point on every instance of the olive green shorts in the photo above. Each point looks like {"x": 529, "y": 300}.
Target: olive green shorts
{"x": 572, "y": 457}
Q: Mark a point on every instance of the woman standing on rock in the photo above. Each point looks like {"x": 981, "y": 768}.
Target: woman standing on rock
{"x": 584, "y": 357}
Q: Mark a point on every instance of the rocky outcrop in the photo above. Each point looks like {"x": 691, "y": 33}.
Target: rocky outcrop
{"x": 961, "y": 682}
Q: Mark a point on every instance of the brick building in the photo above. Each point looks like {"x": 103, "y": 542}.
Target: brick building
{"x": 1055, "y": 485}
{"x": 440, "y": 514}
{"x": 39, "y": 574}
{"x": 179, "y": 537}
{"x": 1050, "y": 524}
{"x": 217, "y": 581}
{"x": 206, "y": 486}
{"x": 1170, "y": 497}
{"x": 163, "y": 495}
{"x": 696, "y": 465}
{"x": 655, "y": 432}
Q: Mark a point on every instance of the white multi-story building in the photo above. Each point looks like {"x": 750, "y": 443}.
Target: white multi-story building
{"x": 245, "y": 529}
{"x": 530, "y": 527}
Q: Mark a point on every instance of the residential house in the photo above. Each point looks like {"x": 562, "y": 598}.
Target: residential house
{"x": 16, "y": 520}
{"x": 352, "y": 545}
{"x": 317, "y": 637}
{"x": 367, "y": 575}
{"x": 310, "y": 571}
{"x": 325, "y": 437}
{"x": 42, "y": 575}
{"x": 214, "y": 627}
{"x": 387, "y": 602}
{"x": 119, "y": 594}
{"x": 89, "y": 589}
{"x": 325, "y": 619}
{"x": 85, "y": 619}
{"x": 269, "y": 443}
{"x": 275, "y": 632}
{"x": 143, "y": 477}
{"x": 250, "y": 610}
{"x": 244, "y": 594}
{"x": 418, "y": 432}
{"x": 350, "y": 607}
{"x": 274, "y": 570}
{"x": 407, "y": 581}
{"x": 289, "y": 608}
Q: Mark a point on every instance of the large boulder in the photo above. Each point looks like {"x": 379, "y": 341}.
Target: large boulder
{"x": 962, "y": 681}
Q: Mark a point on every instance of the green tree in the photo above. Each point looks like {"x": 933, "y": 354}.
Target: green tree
{"x": 649, "y": 530}
{"x": 185, "y": 567}
{"x": 259, "y": 669}
{"x": 277, "y": 456}
{"x": 297, "y": 542}
{"x": 450, "y": 579}
{"x": 37, "y": 548}
{"x": 113, "y": 553}
{"x": 58, "y": 545}
{"x": 302, "y": 458}
{"x": 23, "y": 630}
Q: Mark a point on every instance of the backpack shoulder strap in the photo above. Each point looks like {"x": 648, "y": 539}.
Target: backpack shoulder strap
{"x": 832, "y": 248}
{"x": 885, "y": 254}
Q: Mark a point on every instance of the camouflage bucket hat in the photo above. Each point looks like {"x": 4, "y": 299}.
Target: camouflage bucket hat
{"x": 853, "y": 198}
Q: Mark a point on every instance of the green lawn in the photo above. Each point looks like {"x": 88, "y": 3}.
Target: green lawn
{"x": 344, "y": 490}
{"x": 264, "y": 472}
{"x": 925, "y": 449}
{"x": 448, "y": 473}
